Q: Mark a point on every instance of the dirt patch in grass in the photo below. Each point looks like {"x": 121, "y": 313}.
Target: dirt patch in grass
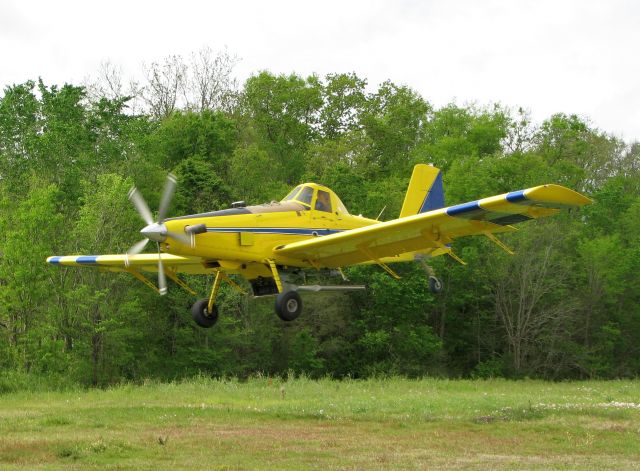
{"x": 25, "y": 451}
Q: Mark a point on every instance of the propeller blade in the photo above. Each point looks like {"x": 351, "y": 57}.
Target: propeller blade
{"x": 141, "y": 205}
{"x": 167, "y": 194}
{"x": 162, "y": 280}
{"x": 137, "y": 247}
{"x": 182, "y": 238}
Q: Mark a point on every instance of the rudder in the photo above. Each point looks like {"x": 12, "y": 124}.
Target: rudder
{"x": 425, "y": 192}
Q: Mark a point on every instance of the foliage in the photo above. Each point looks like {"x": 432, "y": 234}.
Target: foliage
{"x": 565, "y": 306}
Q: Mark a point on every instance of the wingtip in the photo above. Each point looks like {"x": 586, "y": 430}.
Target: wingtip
{"x": 553, "y": 193}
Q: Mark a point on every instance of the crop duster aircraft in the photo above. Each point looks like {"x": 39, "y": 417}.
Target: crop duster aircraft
{"x": 311, "y": 229}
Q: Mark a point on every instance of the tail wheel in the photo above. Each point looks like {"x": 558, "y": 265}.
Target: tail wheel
{"x": 288, "y": 305}
{"x": 435, "y": 285}
{"x": 202, "y": 316}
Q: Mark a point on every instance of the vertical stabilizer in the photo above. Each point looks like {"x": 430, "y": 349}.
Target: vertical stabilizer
{"x": 425, "y": 192}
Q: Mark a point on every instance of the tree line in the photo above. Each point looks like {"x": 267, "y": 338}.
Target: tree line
{"x": 566, "y": 305}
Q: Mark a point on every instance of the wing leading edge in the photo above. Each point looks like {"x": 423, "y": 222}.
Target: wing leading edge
{"x": 432, "y": 231}
{"x": 124, "y": 262}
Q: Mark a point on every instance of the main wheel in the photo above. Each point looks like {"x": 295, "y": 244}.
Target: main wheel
{"x": 435, "y": 285}
{"x": 202, "y": 316}
{"x": 288, "y": 305}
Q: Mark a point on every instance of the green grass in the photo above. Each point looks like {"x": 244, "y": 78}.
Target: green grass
{"x": 303, "y": 424}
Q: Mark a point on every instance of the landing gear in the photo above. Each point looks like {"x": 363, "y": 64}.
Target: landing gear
{"x": 288, "y": 302}
{"x": 435, "y": 285}
{"x": 202, "y": 315}
{"x": 205, "y": 311}
{"x": 288, "y": 305}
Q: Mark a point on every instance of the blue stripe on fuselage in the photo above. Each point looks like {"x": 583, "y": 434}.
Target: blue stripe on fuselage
{"x": 54, "y": 260}
{"x": 275, "y": 230}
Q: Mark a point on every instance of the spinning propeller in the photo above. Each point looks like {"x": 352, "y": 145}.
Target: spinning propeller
{"x": 156, "y": 231}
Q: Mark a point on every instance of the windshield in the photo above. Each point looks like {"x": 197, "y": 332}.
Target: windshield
{"x": 305, "y": 195}
{"x": 341, "y": 207}
{"x": 292, "y": 195}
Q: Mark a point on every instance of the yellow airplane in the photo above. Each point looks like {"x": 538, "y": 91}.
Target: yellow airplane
{"x": 311, "y": 228}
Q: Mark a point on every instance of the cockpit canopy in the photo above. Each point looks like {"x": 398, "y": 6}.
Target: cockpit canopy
{"x": 318, "y": 197}
{"x": 303, "y": 197}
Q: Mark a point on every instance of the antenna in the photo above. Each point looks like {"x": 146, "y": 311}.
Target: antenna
{"x": 382, "y": 211}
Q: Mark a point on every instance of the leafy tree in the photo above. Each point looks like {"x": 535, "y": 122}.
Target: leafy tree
{"x": 19, "y": 129}
{"x": 394, "y": 120}
{"x": 208, "y": 135}
{"x": 345, "y": 102}
{"x": 566, "y": 305}
{"x": 30, "y": 231}
{"x": 283, "y": 111}
{"x": 200, "y": 189}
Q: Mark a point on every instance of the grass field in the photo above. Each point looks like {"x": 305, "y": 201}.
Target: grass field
{"x": 303, "y": 424}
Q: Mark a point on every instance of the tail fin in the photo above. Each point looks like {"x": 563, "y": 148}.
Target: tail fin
{"x": 425, "y": 192}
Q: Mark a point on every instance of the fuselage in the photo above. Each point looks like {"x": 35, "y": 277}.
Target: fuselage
{"x": 247, "y": 235}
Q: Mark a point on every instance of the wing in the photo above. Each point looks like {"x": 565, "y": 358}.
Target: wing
{"x": 431, "y": 232}
{"x": 142, "y": 262}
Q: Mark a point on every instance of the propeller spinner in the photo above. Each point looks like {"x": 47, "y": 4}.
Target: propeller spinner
{"x": 156, "y": 230}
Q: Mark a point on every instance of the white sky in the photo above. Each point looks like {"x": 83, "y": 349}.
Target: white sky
{"x": 572, "y": 56}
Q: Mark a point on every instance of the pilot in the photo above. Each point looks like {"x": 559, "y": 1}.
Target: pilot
{"x": 323, "y": 202}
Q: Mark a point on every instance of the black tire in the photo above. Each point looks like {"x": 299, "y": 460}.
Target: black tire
{"x": 202, "y": 316}
{"x": 435, "y": 285}
{"x": 288, "y": 305}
